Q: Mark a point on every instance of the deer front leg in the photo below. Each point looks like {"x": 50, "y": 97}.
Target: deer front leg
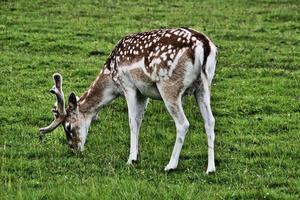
{"x": 136, "y": 104}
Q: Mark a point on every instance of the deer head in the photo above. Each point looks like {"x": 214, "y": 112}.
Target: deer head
{"x": 74, "y": 122}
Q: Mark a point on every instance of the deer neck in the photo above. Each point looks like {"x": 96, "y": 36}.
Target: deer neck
{"x": 98, "y": 95}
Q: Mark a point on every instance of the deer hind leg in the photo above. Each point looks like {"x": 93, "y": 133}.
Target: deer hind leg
{"x": 173, "y": 102}
{"x": 136, "y": 104}
{"x": 202, "y": 95}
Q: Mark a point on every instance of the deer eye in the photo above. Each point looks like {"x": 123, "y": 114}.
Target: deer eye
{"x": 68, "y": 127}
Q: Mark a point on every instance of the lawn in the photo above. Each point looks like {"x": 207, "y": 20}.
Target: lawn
{"x": 255, "y": 100}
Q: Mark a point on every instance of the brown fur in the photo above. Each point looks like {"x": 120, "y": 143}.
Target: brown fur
{"x": 173, "y": 86}
{"x": 93, "y": 95}
{"x": 157, "y": 39}
{"x": 138, "y": 74}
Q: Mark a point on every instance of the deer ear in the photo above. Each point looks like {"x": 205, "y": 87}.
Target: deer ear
{"x": 72, "y": 101}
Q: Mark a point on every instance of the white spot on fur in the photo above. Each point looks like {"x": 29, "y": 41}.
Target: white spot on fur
{"x": 157, "y": 53}
{"x": 156, "y": 61}
{"x": 176, "y": 32}
{"x": 164, "y": 56}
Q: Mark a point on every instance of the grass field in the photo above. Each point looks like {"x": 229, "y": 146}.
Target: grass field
{"x": 255, "y": 100}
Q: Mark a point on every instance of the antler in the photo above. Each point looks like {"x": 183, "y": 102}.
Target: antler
{"x": 58, "y": 110}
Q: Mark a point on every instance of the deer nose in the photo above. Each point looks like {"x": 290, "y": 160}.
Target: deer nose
{"x": 72, "y": 145}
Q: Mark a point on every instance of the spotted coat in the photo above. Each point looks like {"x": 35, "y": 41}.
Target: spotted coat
{"x": 158, "y": 48}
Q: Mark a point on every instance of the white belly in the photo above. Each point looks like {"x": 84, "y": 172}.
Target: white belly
{"x": 136, "y": 78}
{"x": 148, "y": 90}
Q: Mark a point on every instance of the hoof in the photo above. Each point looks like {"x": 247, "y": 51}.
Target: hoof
{"x": 131, "y": 161}
{"x": 210, "y": 170}
{"x": 170, "y": 168}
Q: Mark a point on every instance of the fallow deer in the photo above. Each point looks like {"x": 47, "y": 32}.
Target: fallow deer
{"x": 163, "y": 64}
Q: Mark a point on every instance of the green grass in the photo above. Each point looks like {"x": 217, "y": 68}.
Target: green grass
{"x": 256, "y": 102}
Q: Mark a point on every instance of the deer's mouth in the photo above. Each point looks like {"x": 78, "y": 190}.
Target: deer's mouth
{"x": 74, "y": 143}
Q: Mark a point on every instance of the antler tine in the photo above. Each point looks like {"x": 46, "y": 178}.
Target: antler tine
{"x": 57, "y": 90}
{"x": 51, "y": 127}
{"x": 60, "y": 112}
